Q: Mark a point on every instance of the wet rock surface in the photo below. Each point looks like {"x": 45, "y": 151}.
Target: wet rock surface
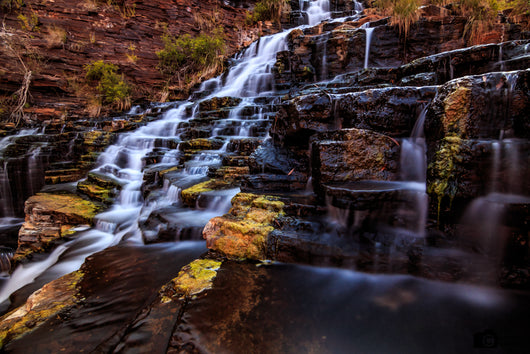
{"x": 86, "y": 324}
{"x": 288, "y": 308}
{"x": 50, "y": 218}
{"x": 330, "y": 188}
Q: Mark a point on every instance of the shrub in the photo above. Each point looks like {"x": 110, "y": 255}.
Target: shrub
{"x": 111, "y": 87}
{"x": 186, "y": 55}
{"x": 11, "y": 4}
{"x": 520, "y": 10}
{"x": 403, "y": 12}
{"x": 30, "y": 23}
{"x": 268, "y": 10}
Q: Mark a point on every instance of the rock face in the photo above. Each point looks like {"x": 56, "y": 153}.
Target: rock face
{"x": 64, "y": 37}
{"x": 345, "y": 44}
{"x": 476, "y": 125}
{"x": 352, "y": 155}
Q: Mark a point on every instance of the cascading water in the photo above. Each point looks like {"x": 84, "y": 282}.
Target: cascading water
{"x": 8, "y": 203}
{"x": 318, "y": 11}
{"x": 369, "y": 31}
{"x": 125, "y": 161}
{"x": 485, "y": 226}
{"x": 322, "y": 49}
{"x": 398, "y": 208}
{"x": 413, "y": 167}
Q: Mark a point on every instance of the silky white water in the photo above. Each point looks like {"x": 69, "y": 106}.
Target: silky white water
{"x": 124, "y": 162}
{"x": 369, "y": 31}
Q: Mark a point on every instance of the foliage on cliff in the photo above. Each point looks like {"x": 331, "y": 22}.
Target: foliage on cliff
{"x": 482, "y": 15}
{"x": 57, "y": 42}
{"x": 111, "y": 87}
{"x": 268, "y": 10}
{"x": 187, "y": 59}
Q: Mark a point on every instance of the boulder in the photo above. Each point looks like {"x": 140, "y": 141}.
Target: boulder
{"x": 49, "y": 219}
{"x": 243, "y": 232}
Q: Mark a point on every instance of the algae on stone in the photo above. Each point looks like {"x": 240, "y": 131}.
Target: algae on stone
{"x": 50, "y": 217}
{"x": 243, "y": 233}
{"x": 190, "y": 195}
{"x": 45, "y": 303}
{"x": 193, "y": 279}
{"x": 443, "y": 168}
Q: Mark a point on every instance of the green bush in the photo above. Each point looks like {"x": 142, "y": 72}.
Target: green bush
{"x": 186, "y": 54}
{"x": 403, "y": 12}
{"x": 111, "y": 87}
{"x": 268, "y": 10}
{"x": 11, "y": 4}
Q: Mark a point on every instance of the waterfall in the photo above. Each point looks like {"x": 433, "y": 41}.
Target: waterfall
{"x": 369, "y": 31}
{"x": 23, "y": 170}
{"x": 322, "y": 48}
{"x": 6, "y": 199}
{"x": 413, "y": 168}
{"x": 318, "y": 11}
{"x": 413, "y": 153}
{"x": 250, "y": 77}
{"x": 484, "y": 225}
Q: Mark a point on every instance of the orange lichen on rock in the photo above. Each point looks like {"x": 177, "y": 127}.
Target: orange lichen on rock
{"x": 243, "y": 232}
{"x": 45, "y": 303}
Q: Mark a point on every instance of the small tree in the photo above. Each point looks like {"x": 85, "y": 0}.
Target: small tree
{"x": 403, "y": 12}
{"x": 111, "y": 87}
{"x": 187, "y": 58}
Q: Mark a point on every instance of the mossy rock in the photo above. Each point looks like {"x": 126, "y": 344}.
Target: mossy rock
{"x": 200, "y": 144}
{"x": 95, "y": 192}
{"x": 190, "y": 195}
{"x": 243, "y": 233}
{"x": 104, "y": 180}
{"x": 100, "y": 187}
{"x": 218, "y": 102}
{"x": 193, "y": 279}
{"x": 232, "y": 173}
{"x": 48, "y": 302}
{"x": 64, "y": 208}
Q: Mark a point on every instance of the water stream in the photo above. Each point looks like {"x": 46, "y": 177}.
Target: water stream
{"x": 250, "y": 77}
{"x": 369, "y": 31}
{"x": 275, "y": 305}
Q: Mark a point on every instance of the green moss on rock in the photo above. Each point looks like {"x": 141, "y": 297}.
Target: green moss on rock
{"x": 190, "y": 195}
{"x": 44, "y": 304}
{"x": 64, "y": 206}
{"x": 443, "y": 169}
{"x": 243, "y": 233}
{"x": 192, "y": 279}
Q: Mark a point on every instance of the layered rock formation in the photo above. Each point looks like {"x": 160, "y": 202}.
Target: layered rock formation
{"x": 55, "y": 40}
{"x": 332, "y": 186}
